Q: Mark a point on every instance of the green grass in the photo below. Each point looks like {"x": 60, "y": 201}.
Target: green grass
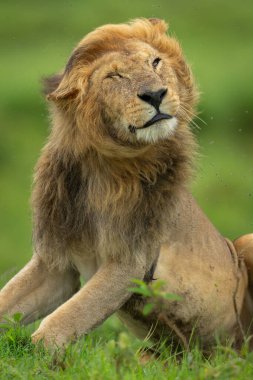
{"x": 112, "y": 353}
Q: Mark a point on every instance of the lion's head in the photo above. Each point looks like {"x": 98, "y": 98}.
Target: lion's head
{"x": 127, "y": 83}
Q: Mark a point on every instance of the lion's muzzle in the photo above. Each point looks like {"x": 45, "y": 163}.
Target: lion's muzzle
{"x": 157, "y": 117}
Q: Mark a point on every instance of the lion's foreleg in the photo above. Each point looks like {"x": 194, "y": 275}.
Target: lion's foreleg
{"x": 35, "y": 291}
{"x": 105, "y": 293}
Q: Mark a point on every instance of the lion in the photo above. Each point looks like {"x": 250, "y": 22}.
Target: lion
{"x": 111, "y": 202}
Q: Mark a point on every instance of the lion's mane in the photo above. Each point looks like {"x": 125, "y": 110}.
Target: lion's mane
{"x": 85, "y": 175}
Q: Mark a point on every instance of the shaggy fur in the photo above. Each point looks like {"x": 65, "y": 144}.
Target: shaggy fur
{"x": 110, "y": 199}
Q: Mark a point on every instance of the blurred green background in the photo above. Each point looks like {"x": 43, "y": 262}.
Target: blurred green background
{"x": 36, "y": 40}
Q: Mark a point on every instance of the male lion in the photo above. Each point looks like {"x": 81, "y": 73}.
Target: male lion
{"x": 110, "y": 201}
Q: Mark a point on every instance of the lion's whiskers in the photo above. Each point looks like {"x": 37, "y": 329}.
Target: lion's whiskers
{"x": 190, "y": 116}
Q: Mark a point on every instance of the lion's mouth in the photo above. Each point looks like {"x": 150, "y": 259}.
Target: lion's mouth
{"x": 157, "y": 117}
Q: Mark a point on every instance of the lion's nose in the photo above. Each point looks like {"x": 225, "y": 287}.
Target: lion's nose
{"x": 154, "y": 98}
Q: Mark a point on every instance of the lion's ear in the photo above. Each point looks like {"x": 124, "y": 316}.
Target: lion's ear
{"x": 58, "y": 87}
{"x": 159, "y": 24}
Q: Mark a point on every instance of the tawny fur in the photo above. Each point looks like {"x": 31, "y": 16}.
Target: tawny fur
{"x": 111, "y": 205}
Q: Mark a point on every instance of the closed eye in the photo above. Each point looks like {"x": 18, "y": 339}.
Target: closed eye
{"x": 113, "y": 74}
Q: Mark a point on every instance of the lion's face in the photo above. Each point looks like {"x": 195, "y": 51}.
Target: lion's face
{"x": 135, "y": 86}
{"x": 138, "y": 93}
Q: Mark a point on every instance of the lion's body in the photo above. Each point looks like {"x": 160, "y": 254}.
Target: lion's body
{"x": 110, "y": 199}
{"x": 192, "y": 263}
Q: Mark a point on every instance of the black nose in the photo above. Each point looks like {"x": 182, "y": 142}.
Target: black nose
{"x": 154, "y": 98}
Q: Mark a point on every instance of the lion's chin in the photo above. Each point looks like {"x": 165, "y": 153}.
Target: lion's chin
{"x": 161, "y": 130}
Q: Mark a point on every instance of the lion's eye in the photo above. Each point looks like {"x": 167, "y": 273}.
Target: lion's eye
{"x": 114, "y": 74}
{"x": 156, "y": 62}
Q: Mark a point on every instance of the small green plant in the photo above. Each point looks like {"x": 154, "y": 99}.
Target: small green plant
{"x": 156, "y": 300}
{"x": 9, "y": 322}
{"x": 14, "y": 338}
{"x": 155, "y": 293}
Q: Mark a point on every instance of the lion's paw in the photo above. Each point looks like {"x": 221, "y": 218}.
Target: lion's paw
{"x": 50, "y": 337}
